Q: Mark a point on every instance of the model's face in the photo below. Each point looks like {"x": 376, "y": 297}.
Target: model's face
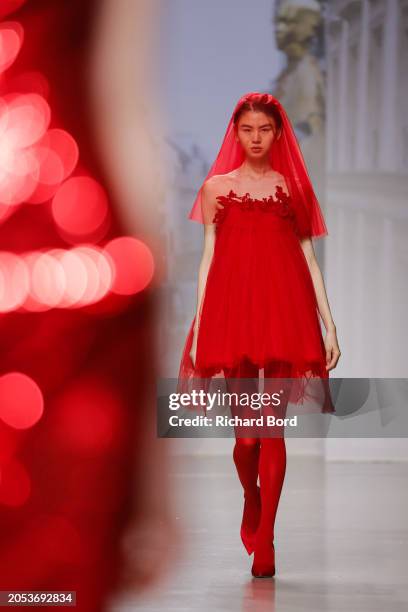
{"x": 256, "y": 132}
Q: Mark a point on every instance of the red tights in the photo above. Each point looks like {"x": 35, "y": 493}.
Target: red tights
{"x": 253, "y": 456}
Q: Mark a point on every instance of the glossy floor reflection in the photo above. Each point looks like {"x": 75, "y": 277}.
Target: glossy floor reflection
{"x": 341, "y": 541}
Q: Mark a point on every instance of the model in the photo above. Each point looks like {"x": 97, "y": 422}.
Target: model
{"x": 259, "y": 296}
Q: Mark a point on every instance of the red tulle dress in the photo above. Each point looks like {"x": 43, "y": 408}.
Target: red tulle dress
{"x": 259, "y": 302}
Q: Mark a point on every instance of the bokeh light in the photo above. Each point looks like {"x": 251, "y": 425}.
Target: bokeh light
{"x": 27, "y": 120}
{"x": 14, "y": 281}
{"x": 11, "y": 40}
{"x": 100, "y": 273}
{"x": 21, "y": 400}
{"x": 80, "y": 206}
{"x": 134, "y": 264}
{"x": 47, "y": 281}
{"x": 72, "y": 278}
{"x": 57, "y": 155}
{"x": 24, "y": 120}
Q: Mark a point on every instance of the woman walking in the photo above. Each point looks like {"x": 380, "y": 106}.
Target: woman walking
{"x": 260, "y": 293}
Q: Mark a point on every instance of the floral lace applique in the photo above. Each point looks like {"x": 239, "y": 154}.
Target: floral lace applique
{"x": 279, "y": 205}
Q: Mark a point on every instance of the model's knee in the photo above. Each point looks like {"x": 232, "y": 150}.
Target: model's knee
{"x": 272, "y": 443}
{"x": 249, "y": 443}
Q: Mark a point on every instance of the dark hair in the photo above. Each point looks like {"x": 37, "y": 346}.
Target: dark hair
{"x": 264, "y": 107}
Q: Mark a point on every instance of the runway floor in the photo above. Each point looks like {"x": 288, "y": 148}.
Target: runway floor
{"x": 341, "y": 541}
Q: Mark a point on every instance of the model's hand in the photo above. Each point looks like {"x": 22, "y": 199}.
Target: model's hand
{"x": 332, "y": 349}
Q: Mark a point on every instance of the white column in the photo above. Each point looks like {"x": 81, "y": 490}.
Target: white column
{"x": 343, "y": 97}
{"x": 357, "y": 279}
{"x": 362, "y": 158}
{"x": 388, "y": 119}
{"x": 386, "y": 355}
{"x": 330, "y": 117}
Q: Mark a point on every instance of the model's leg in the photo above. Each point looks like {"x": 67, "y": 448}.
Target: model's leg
{"x": 246, "y": 459}
{"x": 272, "y": 469}
{"x": 246, "y": 454}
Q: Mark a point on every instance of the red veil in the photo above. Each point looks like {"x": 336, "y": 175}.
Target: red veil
{"x": 285, "y": 157}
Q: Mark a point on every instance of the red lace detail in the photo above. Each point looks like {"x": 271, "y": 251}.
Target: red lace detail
{"x": 279, "y": 205}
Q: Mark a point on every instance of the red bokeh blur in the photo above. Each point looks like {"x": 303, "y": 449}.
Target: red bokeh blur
{"x": 77, "y": 311}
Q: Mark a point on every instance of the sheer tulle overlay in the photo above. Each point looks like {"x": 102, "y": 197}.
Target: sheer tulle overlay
{"x": 259, "y": 306}
{"x": 259, "y": 303}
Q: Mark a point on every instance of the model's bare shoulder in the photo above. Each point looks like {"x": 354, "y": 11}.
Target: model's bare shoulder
{"x": 210, "y": 183}
{"x": 230, "y": 178}
{"x": 209, "y": 192}
{"x": 278, "y": 177}
{"x": 216, "y": 185}
{"x": 280, "y": 180}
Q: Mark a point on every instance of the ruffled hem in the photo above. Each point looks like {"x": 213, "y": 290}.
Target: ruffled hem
{"x": 309, "y": 381}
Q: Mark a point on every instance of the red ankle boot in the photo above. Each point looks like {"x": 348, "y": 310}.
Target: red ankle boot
{"x": 250, "y": 519}
{"x": 264, "y": 560}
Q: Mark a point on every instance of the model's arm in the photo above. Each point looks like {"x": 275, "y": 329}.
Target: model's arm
{"x": 206, "y": 259}
{"x": 208, "y": 194}
{"x": 331, "y": 343}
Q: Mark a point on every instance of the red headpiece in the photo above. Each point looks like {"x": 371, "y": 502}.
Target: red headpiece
{"x": 285, "y": 157}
